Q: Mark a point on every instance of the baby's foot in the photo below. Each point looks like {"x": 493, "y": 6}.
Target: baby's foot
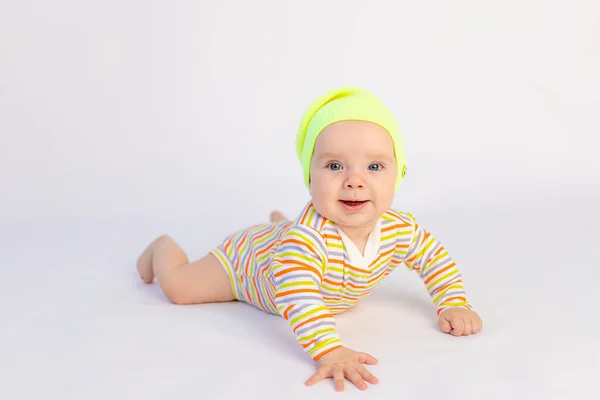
{"x": 276, "y": 216}
{"x": 144, "y": 265}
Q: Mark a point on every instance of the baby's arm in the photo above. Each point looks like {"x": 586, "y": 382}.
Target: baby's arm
{"x": 425, "y": 254}
{"x": 297, "y": 272}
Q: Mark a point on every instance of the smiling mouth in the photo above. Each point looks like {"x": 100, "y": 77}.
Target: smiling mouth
{"x": 353, "y": 202}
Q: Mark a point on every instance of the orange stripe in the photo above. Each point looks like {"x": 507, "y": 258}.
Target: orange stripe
{"x": 313, "y": 319}
{"x": 340, "y": 298}
{"x": 346, "y": 284}
{"x": 387, "y": 253}
{"x": 415, "y": 256}
{"x": 434, "y": 255}
{"x": 376, "y": 278}
{"x": 237, "y": 264}
{"x": 300, "y": 242}
{"x": 353, "y": 268}
{"x": 302, "y": 267}
{"x": 294, "y": 291}
{"x": 267, "y": 265}
{"x": 446, "y": 286}
{"x": 258, "y": 292}
{"x": 267, "y": 248}
{"x": 248, "y": 259}
{"x": 350, "y": 267}
{"x": 454, "y": 298}
{"x": 326, "y": 280}
{"x": 286, "y": 312}
{"x": 395, "y": 216}
{"x": 227, "y": 244}
{"x": 271, "y": 300}
{"x": 244, "y": 237}
{"x": 325, "y": 352}
{"x": 446, "y": 268}
{"x": 323, "y": 221}
{"x": 265, "y": 233}
{"x": 354, "y": 286}
{"x": 306, "y": 212}
{"x": 389, "y": 228}
{"x": 305, "y": 345}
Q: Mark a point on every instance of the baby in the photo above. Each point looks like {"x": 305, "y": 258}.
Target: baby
{"x": 343, "y": 243}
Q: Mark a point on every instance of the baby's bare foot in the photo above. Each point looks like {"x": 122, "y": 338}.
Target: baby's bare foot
{"x": 144, "y": 265}
{"x": 276, "y": 216}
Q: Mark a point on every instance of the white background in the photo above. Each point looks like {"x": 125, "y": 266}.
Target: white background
{"x": 122, "y": 120}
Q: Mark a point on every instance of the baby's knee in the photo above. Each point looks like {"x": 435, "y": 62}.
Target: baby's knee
{"x": 163, "y": 238}
{"x": 176, "y": 289}
{"x": 173, "y": 292}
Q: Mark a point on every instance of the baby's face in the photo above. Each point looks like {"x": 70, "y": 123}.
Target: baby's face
{"x": 353, "y": 173}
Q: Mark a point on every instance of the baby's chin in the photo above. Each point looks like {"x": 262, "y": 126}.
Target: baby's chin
{"x": 340, "y": 215}
{"x": 356, "y": 220}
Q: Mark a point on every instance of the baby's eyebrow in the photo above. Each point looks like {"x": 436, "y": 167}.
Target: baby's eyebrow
{"x": 376, "y": 156}
{"x": 381, "y": 156}
{"x": 328, "y": 155}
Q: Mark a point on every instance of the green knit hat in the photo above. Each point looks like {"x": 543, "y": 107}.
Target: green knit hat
{"x": 345, "y": 104}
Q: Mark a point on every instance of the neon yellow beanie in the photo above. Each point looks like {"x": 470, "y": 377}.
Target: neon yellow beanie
{"x": 345, "y": 104}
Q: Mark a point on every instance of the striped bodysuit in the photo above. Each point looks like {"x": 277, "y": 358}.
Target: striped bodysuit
{"x": 307, "y": 270}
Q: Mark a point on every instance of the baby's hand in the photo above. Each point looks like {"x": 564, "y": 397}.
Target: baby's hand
{"x": 343, "y": 362}
{"x": 459, "y": 321}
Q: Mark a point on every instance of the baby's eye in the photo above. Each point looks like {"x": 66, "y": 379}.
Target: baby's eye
{"x": 335, "y": 166}
{"x": 375, "y": 167}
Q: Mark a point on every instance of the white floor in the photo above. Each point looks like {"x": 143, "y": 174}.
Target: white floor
{"x": 78, "y": 324}
{"x": 122, "y": 120}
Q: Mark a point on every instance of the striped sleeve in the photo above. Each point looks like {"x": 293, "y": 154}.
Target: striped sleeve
{"x": 297, "y": 272}
{"x": 427, "y": 256}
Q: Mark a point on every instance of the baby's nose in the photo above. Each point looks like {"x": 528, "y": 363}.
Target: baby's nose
{"x": 354, "y": 181}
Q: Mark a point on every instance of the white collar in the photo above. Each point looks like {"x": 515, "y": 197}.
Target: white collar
{"x": 371, "y": 248}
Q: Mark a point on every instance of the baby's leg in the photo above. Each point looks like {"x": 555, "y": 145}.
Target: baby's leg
{"x": 182, "y": 282}
{"x": 276, "y": 216}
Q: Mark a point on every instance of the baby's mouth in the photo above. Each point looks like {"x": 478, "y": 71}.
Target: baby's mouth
{"x": 353, "y": 202}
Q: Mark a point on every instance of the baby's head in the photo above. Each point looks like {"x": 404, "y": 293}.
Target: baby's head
{"x": 352, "y": 154}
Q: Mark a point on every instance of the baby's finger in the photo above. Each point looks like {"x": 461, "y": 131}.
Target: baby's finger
{"x": 366, "y": 358}
{"x": 468, "y": 327}
{"x": 445, "y": 325}
{"x": 458, "y": 326}
{"x": 321, "y": 374}
{"x": 368, "y": 376}
{"x": 477, "y": 325}
{"x": 338, "y": 378}
{"x": 354, "y": 377}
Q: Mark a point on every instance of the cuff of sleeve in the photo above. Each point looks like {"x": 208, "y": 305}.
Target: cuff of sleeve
{"x": 324, "y": 347}
{"x": 443, "y": 308}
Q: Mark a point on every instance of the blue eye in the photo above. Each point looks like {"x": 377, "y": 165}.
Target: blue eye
{"x": 335, "y": 166}
{"x": 375, "y": 167}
